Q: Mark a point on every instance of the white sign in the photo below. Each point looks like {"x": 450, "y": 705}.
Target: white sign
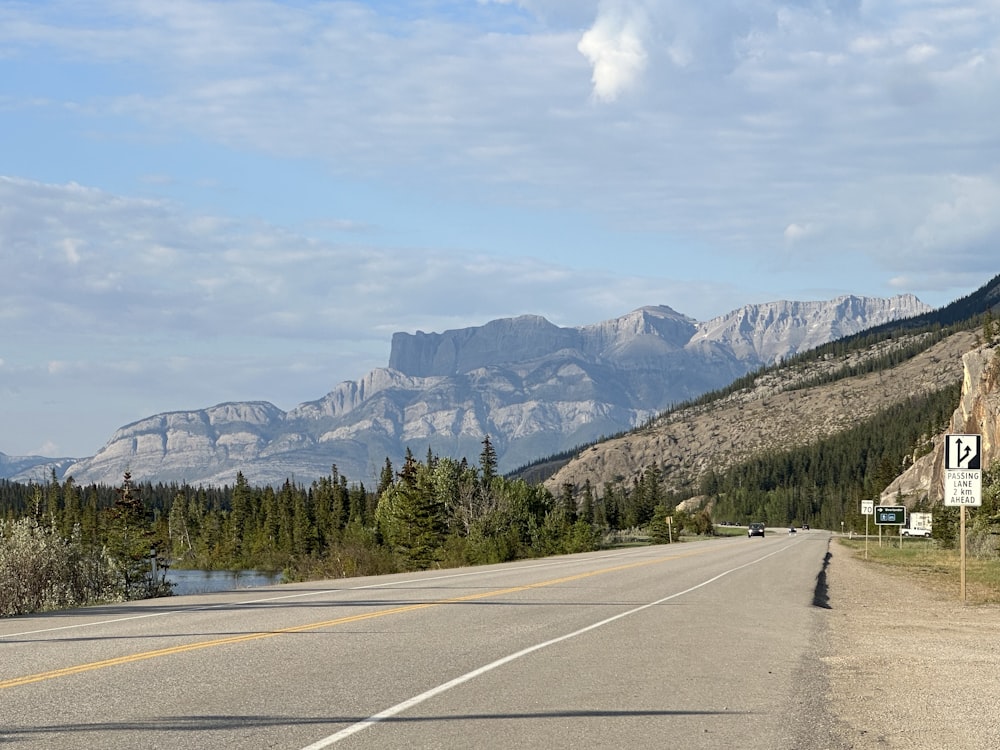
{"x": 963, "y": 476}
{"x": 867, "y": 507}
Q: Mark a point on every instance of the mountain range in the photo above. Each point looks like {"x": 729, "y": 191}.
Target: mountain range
{"x": 536, "y": 389}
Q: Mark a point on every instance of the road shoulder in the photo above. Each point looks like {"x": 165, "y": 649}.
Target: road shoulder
{"x": 906, "y": 667}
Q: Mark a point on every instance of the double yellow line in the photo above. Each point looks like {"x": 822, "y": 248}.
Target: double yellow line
{"x": 143, "y": 655}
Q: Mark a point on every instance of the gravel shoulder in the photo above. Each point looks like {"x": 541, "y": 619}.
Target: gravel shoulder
{"x": 908, "y": 667}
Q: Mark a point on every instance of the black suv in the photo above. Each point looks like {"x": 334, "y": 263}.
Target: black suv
{"x": 755, "y": 529}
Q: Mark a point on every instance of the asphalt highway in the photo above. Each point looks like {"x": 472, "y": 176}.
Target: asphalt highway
{"x": 705, "y": 644}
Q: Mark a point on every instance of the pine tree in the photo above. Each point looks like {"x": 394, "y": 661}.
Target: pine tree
{"x": 238, "y": 516}
{"x": 659, "y": 529}
{"x": 487, "y": 462}
{"x": 129, "y": 537}
{"x": 587, "y": 512}
{"x": 411, "y": 519}
{"x": 385, "y": 479}
{"x": 178, "y": 531}
{"x": 304, "y": 535}
{"x": 71, "y": 515}
{"x": 568, "y": 503}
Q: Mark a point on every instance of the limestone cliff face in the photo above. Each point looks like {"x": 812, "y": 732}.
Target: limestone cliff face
{"x": 978, "y": 412}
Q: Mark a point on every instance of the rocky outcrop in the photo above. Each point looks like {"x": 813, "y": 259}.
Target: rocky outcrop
{"x": 978, "y": 412}
{"x": 776, "y": 412}
{"x": 535, "y": 388}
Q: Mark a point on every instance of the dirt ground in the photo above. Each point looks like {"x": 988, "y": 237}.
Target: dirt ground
{"x": 908, "y": 667}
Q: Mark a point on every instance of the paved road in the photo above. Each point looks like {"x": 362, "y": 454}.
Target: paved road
{"x": 698, "y": 645}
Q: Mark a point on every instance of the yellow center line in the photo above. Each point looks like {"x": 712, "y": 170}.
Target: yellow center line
{"x": 142, "y": 656}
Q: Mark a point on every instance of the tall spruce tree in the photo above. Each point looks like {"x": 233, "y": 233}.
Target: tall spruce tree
{"x": 129, "y": 538}
{"x": 411, "y": 518}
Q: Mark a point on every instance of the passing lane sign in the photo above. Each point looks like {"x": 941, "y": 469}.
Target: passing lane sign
{"x": 963, "y": 475}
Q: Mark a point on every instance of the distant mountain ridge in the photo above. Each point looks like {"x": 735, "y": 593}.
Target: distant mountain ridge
{"x": 32, "y": 468}
{"x": 535, "y": 388}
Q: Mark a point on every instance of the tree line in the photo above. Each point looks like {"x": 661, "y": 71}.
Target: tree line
{"x": 438, "y": 512}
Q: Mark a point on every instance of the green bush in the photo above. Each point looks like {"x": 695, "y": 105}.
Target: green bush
{"x": 40, "y": 570}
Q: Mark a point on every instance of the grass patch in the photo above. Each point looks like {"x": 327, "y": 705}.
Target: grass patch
{"x": 730, "y": 530}
{"x": 934, "y": 568}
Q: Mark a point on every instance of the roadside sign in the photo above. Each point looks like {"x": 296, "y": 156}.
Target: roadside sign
{"x": 890, "y": 515}
{"x": 963, "y": 483}
{"x": 867, "y": 510}
{"x": 963, "y": 475}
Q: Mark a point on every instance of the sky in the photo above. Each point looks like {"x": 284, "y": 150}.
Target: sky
{"x": 204, "y": 202}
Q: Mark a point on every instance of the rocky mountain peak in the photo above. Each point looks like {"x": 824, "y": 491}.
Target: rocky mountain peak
{"x": 775, "y": 330}
{"x": 535, "y": 388}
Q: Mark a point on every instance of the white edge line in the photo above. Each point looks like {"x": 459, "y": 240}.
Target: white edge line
{"x": 427, "y": 695}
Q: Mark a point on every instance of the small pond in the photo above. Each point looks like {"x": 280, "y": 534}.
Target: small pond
{"x": 206, "y": 581}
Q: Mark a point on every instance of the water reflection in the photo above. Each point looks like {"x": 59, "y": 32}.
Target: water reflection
{"x": 206, "y": 581}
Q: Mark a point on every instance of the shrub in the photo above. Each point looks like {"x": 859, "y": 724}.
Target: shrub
{"x": 40, "y": 570}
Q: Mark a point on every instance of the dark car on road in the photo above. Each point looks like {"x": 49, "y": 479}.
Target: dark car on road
{"x": 755, "y": 529}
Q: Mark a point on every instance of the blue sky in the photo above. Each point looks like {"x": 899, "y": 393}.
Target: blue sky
{"x": 213, "y": 201}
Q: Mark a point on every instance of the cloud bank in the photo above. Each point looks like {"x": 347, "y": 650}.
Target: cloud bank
{"x": 204, "y": 201}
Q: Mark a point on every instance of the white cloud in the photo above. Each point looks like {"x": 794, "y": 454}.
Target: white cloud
{"x": 615, "y": 48}
{"x": 796, "y": 232}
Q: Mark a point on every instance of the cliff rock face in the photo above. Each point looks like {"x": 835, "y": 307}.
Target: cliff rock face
{"x": 535, "y": 388}
{"x": 978, "y": 412}
{"x": 183, "y": 446}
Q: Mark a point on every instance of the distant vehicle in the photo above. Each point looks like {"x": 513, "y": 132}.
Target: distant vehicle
{"x": 805, "y": 527}
{"x": 755, "y": 529}
{"x": 919, "y": 524}
{"x": 791, "y": 529}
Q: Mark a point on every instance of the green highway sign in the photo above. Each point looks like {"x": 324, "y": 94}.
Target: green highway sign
{"x": 890, "y": 515}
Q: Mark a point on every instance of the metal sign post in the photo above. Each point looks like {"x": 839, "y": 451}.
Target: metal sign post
{"x": 961, "y": 554}
{"x": 963, "y": 483}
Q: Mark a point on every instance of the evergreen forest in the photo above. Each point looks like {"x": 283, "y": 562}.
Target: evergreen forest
{"x": 66, "y": 545}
